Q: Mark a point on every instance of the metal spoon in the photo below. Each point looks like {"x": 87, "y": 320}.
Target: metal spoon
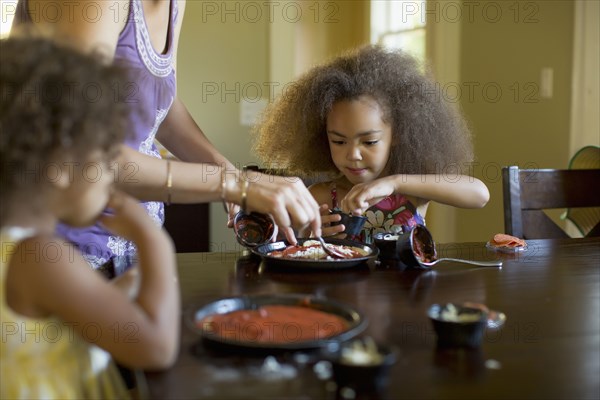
{"x": 495, "y": 263}
{"x": 330, "y": 251}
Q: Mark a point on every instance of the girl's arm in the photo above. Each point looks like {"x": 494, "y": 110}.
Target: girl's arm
{"x": 128, "y": 282}
{"x": 459, "y": 191}
{"x": 142, "y": 333}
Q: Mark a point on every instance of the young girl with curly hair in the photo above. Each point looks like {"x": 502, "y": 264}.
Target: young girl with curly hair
{"x": 380, "y": 129}
{"x": 61, "y": 124}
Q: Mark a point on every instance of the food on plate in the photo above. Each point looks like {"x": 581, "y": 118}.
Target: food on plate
{"x": 275, "y": 324}
{"x": 312, "y": 250}
{"x": 502, "y": 240}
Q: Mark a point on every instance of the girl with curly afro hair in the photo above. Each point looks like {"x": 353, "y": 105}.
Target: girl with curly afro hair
{"x": 380, "y": 131}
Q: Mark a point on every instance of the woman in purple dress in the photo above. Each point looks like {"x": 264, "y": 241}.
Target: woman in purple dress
{"x": 142, "y": 36}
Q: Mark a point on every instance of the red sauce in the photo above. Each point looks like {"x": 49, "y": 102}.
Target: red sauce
{"x": 423, "y": 245}
{"x": 420, "y": 251}
{"x": 277, "y": 324}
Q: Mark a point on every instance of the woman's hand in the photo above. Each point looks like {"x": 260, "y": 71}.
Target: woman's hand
{"x": 287, "y": 200}
{"x": 231, "y": 209}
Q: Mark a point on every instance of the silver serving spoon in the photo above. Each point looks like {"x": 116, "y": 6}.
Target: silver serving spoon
{"x": 331, "y": 251}
{"x": 495, "y": 263}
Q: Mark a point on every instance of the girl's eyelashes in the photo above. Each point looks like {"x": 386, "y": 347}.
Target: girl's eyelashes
{"x": 366, "y": 142}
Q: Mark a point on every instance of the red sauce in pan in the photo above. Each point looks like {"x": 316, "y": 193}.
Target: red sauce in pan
{"x": 277, "y": 324}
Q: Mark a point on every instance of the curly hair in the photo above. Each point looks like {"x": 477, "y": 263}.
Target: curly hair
{"x": 428, "y": 133}
{"x": 54, "y": 102}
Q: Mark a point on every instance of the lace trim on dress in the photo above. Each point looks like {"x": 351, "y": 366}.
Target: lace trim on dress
{"x": 159, "y": 65}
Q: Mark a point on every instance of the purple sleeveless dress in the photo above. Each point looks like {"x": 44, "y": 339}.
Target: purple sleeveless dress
{"x": 151, "y": 89}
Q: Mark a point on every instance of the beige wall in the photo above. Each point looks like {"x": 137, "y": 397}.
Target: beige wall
{"x": 496, "y": 51}
{"x": 223, "y": 60}
{"x": 511, "y": 122}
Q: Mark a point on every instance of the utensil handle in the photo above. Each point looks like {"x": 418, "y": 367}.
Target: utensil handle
{"x": 495, "y": 263}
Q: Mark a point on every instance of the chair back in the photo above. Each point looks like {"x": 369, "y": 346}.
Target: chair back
{"x": 527, "y": 192}
{"x": 584, "y": 218}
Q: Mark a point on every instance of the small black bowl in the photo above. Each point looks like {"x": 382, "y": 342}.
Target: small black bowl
{"x": 388, "y": 245}
{"x": 352, "y": 223}
{"x": 413, "y": 246}
{"x": 369, "y": 376}
{"x": 462, "y": 326}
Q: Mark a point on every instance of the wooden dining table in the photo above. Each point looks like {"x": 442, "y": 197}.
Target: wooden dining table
{"x": 549, "y": 346}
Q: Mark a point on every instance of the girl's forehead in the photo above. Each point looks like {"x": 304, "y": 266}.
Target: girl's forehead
{"x": 366, "y": 100}
{"x": 355, "y": 110}
{"x": 354, "y": 117}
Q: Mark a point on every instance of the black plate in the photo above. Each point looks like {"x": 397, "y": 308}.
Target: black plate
{"x": 264, "y": 249}
{"x": 357, "y": 323}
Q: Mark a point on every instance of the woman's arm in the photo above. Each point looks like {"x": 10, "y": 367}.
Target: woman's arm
{"x": 286, "y": 199}
{"x": 459, "y": 191}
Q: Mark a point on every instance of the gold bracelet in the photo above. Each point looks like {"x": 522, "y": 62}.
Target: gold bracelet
{"x": 244, "y": 195}
{"x": 169, "y": 182}
{"x": 223, "y": 187}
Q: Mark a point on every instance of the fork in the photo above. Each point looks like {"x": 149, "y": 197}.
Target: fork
{"x": 331, "y": 251}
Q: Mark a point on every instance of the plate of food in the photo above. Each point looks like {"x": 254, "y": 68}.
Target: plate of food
{"x": 308, "y": 253}
{"x": 284, "y": 322}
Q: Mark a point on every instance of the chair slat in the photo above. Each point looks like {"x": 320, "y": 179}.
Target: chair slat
{"x": 527, "y": 192}
{"x": 537, "y": 225}
{"x": 545, "y": 189}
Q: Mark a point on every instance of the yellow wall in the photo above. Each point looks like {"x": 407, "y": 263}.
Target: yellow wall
{"x": 223, "y": 60}
{"x": 512, "y": 123}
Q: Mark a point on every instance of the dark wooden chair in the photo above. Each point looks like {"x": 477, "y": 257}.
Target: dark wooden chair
{"x": 527, "y": 192}
{"x": 189, "y": 226}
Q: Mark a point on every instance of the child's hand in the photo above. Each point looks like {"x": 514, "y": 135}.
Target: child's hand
{"x": 327, "y": 218}
{"x": 126, "y": 217}
{"x": 364, "y": 195}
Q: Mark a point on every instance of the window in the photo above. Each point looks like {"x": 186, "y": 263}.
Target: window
{"x": 399, "y": 24}
{"x": 7, "y": 13}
